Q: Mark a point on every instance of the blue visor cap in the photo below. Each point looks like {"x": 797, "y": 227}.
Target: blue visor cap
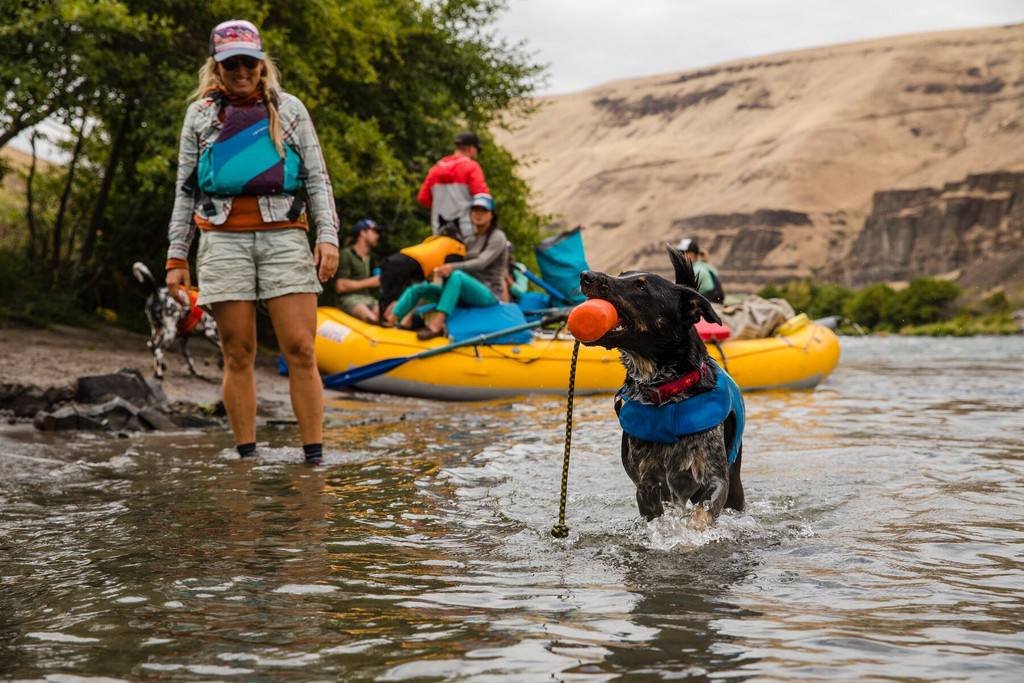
{"x": 482, "y": 201}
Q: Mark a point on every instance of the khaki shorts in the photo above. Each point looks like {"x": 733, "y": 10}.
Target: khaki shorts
{"x": 348, "y": 302}
{"x": 254, "y": 266}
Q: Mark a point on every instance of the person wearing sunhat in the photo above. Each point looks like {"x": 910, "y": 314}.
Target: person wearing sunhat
{"x": 251, "y": 215}
{"x": 477, "y": 281}
{"x": 451, "y": 183}
{"x": 356, "y": 285}
{"x": 708, "y": 283}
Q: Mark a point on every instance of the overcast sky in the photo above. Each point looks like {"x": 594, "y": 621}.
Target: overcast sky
{"x": 589, "y": 42}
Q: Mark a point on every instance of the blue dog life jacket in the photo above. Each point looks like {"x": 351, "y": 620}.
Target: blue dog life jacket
{"x": 668, "y": 422}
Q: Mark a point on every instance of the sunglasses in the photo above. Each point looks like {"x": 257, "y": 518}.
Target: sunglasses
{"x": 232, "y": 63}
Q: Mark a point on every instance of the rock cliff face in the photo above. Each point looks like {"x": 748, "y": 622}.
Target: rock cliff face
{"x": 972, "y": 230}
{"x": 778, "y": 164}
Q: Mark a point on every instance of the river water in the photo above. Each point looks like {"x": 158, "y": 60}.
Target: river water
{"x": 883, "y": 540}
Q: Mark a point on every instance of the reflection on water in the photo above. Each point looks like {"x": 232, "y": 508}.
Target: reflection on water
{"x": 882, "y": 540}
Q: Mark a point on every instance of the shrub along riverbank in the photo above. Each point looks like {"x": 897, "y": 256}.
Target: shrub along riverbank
{"x": 926, "y": 306}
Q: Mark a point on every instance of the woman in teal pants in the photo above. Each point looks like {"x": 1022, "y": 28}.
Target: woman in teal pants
{"x": 476, "y": 281}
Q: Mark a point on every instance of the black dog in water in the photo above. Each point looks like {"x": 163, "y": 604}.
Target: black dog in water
{"x": 170, "y": 320}
{"x": 682, "y": 415}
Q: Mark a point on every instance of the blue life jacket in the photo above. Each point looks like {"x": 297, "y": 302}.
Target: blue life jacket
{"x": 668, "y": 422}
{"x": 243, "y": 160}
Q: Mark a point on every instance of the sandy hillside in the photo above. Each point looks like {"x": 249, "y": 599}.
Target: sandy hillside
{"x": 795, "y": 142}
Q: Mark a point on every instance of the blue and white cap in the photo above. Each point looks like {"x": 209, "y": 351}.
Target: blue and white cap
{"x": 364, "y": 224}
{"x": 483, "y": 201}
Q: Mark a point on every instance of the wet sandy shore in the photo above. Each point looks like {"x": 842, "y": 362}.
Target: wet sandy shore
{"x": 48, "y": 361}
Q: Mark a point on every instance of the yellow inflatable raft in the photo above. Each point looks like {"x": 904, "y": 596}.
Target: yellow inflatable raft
{"x": 799, "y": 360}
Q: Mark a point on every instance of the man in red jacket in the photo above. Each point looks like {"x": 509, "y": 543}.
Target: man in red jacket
{"x": 451, "y": 184}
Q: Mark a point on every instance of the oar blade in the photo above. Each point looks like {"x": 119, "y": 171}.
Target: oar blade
{"x": 346, "y": 378}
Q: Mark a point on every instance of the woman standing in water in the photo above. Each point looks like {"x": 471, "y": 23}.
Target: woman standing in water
{"x": 247, "y": 202}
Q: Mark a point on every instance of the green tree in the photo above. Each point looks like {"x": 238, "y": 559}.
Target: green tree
{"x": 771, "y": 291}
{"x": 826, "y": 300}
{"x": 925, "y": 300}
{"x": 40, "y": 73}
{"x": 799, "y": 293}
{"x": 998, "y": 303}
{"x": 388, "y": 85}
{"x": 866, "y": 306}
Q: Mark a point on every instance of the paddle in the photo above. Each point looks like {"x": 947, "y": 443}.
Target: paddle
{"x": 346, "y": 378}
{"x": 543, "y": 285}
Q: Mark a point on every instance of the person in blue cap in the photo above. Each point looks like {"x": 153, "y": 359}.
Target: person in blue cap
{"x": 356, "y": 286}
{"x": 479, "y": 280}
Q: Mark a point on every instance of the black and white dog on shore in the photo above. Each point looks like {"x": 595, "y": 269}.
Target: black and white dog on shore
{"x": 170, "y": 320}
{"x": 681, "y": 414}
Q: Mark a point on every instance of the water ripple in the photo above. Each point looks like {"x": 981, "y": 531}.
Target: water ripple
{"x": 881, "y": 541}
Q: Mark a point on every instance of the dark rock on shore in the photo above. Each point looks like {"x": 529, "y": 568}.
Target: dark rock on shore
{"x": 118, "y": 402}
{"x": 27, "y": 400}
{"x": 40, "y": 369}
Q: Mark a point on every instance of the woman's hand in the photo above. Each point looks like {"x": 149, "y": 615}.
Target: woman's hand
{"x": 176, "y": 280}
{"x": 325, "y": 260}
{"x": 444, "y": 270}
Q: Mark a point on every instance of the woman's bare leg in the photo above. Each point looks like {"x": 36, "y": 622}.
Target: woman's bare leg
{"x": 294, "y": 319}
{"x": 236, "y": 324}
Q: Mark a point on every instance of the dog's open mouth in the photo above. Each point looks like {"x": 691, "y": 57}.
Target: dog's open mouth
{"x": 594, "y": 320}
{"x": 621, "y": 326}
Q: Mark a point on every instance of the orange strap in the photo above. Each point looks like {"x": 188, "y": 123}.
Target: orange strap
{"x": 188, "y": 324}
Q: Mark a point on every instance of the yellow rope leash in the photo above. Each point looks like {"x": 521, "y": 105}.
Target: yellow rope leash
{"x": 561, "y": 530}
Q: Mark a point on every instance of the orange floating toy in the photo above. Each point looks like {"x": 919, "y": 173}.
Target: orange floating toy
{"x": 592, "y": 319}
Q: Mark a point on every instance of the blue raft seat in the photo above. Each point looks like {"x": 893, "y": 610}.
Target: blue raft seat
{"x": 466, "y": 323}
{"x": 534, "y": 301}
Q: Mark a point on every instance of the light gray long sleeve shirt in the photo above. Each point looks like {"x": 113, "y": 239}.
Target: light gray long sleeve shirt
{"x": 486, "y": 260}
{"x": 200, "y": 130}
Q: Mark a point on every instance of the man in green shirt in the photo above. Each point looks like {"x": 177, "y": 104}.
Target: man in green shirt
{"x": 356, "y": 285}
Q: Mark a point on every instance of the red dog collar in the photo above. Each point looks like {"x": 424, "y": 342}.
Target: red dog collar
{"x": 667, "y": 391}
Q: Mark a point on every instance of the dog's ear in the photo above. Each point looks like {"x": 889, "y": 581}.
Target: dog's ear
{"x": 694, "y": 306}
{"x": 708, "y": 311}
{"x": 684, "y": 271}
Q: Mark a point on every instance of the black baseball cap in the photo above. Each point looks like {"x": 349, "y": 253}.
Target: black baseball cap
{"x": 467, "y": 138}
